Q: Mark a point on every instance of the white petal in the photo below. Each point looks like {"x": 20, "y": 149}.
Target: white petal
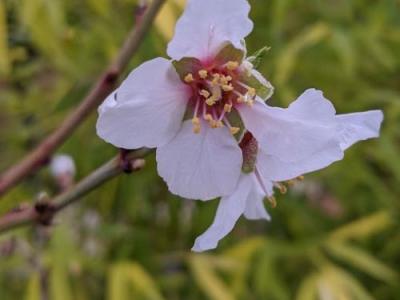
{"x": 287, "y": 133}
{"x": 229, "y": 211}
{"x": 200, "y": 166}
{"x": 255, "y": 208}
{"x": 314, "y": 106}
{"x": 272, "y": 168}
{"x": 110, "y": 102}
{"x": 147, "y": 110}
{"x": 206, "y": 25}
{"x": 358, "y": 126}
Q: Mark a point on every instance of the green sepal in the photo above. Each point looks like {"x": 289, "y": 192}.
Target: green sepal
{"x": 263, "y": 89}
{"x": 258, "y": 56}
{"x": 187, "y": 65}
{"x": 230, "y": 53}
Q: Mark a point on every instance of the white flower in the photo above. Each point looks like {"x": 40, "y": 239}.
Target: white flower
{"x": 62, "y": 165}
{"x": 187, "y": 107}
{"x": 305, "y": 137}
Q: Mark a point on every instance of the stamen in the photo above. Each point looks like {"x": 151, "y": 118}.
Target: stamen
{"x": 272, "y": 200}
{"x": 189, "y": 78}
{"x": 268, "y": 194}
{"x": 196, "y": 120}
{"x": 204, "y": 93}
{"x": 282, "y": 188}
{"x": 210, "y": 101}
{"x": 234, "y": 130}
{"x": 240, "y": 98}
{"x": 232, "y": 65}
{"x": 203, "y": 74}
{"x": 227, "y": 87}
{"x": 220, "y": 124}
{"x": 196, "y": 125}
{"x": 228, "y": 108}
{"x": 216, "y": 78}
{"x": 208, "y": 118}
{"x": 251, "y": 91}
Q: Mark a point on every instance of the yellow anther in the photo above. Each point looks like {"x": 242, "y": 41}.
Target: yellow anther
{"x": 234, "y": 130}
{"x": 189, "y": 78}
{"x": 228, "y": 108}
{"x": 208, "y": 117}
{"x": 196, "y": 121}
{"x": 251, "y": 92}
{"x": 216, "y": 78}
{"x": 196, "y": 129}
{"x": 300, "y": 178}
{"x": 205, "y": 93}
{"x": 282, "y": 188}
{"x": 227, "y": 87}
{"x": 240, "y": 99}
{"x": 272, "y": 200}
{"x": 250, "y": 103}
{"x": 214, "y": 124}
{"x": 210, "y": 101}
{"x": 232, "y": 65}
{"x": 224, "y": 80}
{"x": 203, "y": 74}
{"x": 220, "y": 124}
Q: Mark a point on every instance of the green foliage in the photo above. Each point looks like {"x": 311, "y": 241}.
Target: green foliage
{"x": 333, "y": 236}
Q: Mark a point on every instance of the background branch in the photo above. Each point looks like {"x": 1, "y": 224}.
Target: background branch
{"x": 104, "y": 86}
{"x": 44, "y": 211}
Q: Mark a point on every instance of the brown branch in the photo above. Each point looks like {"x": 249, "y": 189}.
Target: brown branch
{"x": 104, "y": 85}
{"x": 43, "y": 212}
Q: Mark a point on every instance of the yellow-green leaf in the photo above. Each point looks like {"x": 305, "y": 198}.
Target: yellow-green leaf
{"x": 208, "y": 280}
{"x": 362, "y": 260}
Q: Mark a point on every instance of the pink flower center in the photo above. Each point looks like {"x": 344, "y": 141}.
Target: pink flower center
{"x": 217, "y": 91}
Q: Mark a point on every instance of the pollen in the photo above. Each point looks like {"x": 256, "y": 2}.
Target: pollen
{"x": 228, "y": 108}
{"x": 219, "y": 124}
{"x": 189, "y": 78}
{"x": 227, "y": 87}
{"x": 232, "y": 65}
{"x": 204, "y": 93}
{"x": 250, "y": 103}
{"x": 208, "y": 117}
{"x": 272, "y": 200}
{"x": 251, "y": 91}
{"x": 210, "y": 101}
{"x": 240, "y": 99}
{"x": 196, "y": 121}
{"x": 234, "y": 130}
{"x": 203, "y": 74}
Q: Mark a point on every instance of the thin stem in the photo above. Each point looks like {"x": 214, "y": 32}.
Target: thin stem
{"x": 104, "y": 86}
{"x": 43, "y": 212}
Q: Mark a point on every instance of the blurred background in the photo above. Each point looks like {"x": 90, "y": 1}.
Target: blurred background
{"x": 334, "y": 235}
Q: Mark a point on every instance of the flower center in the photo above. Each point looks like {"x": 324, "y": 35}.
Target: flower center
{"x": 217, "y": 91}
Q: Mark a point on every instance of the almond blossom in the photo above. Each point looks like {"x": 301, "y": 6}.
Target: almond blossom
{"x": 305, "y": 137}
{"x": 188, "y": 106}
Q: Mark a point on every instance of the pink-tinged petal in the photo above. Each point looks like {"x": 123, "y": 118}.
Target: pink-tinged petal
{"x": 206, "y": 25}
{"x": 287, "y": 133}
{"x": 272, "y": 168}
{"x": 109, "y": 103}
{"x": 358, "y": 126}
{"x": 312, "y": 105}
{"x": 255, "y": 209}
{"x": 200, "y": 166}
{"x": 147, "y": 110}
{"x": 229, "y": 210}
